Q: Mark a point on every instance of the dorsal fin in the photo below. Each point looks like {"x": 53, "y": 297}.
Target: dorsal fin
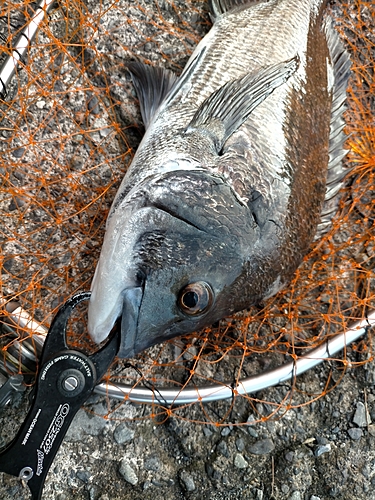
{"x": 219, "y": 7}
{"x": 152, "y": 85}
{"x": 340, "y": 67}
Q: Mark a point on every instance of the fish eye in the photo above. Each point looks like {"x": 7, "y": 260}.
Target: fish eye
{"x": 195, "y": 298}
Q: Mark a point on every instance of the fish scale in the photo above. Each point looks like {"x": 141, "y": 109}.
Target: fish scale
{"x": 256, "y": 47}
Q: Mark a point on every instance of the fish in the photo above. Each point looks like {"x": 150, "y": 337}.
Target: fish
{"x": 238, "y": 173}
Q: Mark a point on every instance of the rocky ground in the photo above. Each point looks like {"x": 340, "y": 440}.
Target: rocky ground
{"x": 322, "y": 450}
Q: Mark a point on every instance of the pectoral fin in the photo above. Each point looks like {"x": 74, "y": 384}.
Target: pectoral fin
{"x": 228, "y": 108}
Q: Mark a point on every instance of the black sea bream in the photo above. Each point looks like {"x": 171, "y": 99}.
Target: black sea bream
{"x": 236, "y": 175}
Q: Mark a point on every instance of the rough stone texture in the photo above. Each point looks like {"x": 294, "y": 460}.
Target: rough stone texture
{"x": 128, "y": 473}
{"x": 361, "y": 416}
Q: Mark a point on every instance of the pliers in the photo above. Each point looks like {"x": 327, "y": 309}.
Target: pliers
{"x": 65, "y": 380}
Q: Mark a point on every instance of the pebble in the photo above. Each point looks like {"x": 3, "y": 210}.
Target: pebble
{"x": 40, "y": 104}
{"x": 223, "y": 448}
{"x": 128, "y": 473}
{"x": 285, "y": 488}
{"x": 240, "y": 444}
{"x": 93, "y": 103}
{"x": 122, "y": 434}
{"x": 296, "y": 495}
{"x": 313, "y": 497}
{"x": 290, "y": 456}
{"x": 259, "y": 494}
{"x": 187, "y": 481}
{"x": 104, "y": 132}
{"x": 18, "y": 153}
{"x": 322, "y": 448}
{"x": 361, "y": 416}
{"x": 93, "y": 492}
{"x": 240, "y": 462}
{"x": 355, "y": 433}
{"x": 18, "y": 174}
{"x": 207, "y": 432}
{"x": 253, "y": 433}
{"x": 226, "y": 431}
{"x": 147, "y": 485}
{"x": 261, "y": 447}
{"x": 152, "y": 463}
{"x": 16, "y": 203}
{"x": 83, "y": 475}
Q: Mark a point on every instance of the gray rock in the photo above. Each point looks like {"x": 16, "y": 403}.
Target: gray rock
{"x": 128, "y": 473}
{"x": 83, "y": 475}
{"x": 355, "y": 433}
{"x": 290, "y": 456}
{"x": 322, "y": 448}
{"x": 361, "y": 416}
{"x": 18, "y": 153}
{"x": 207, "y": 431}
{"x": 93, "y": 492}
{"x": 16, "y": 203}
{"x": 105, "y": 131}
{"x": 187, "y": 481}
{"x": 240, "y": 462}
{"x": 259, "y": 494}
{"x": 261, "y": 447}
{"x": 253, "y": 433}
{"x": 222, "y": 448}
{"x": 93, "y": 103}
{"x": 313, "y": 497}
{"x": 152, "y": 463}
{"x": 296, "y": 495}
{"x": 123, "y": 434}
{"x": 285, "y": 488}
{"x": 240, "y": 444}
{"x": 85, "y": 423}
{"x": 226, "y": 431}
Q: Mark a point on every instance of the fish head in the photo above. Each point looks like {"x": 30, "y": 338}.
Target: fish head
{"x": 169, "y": 261}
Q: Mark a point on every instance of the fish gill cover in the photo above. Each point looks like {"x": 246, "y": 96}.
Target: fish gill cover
{"x": 68, "y": 129}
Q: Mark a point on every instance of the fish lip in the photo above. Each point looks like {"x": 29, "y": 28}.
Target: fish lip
{"x": 132, "y": 300}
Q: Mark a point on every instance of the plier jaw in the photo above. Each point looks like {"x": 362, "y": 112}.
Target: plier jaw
{"x": 65, "y": 380}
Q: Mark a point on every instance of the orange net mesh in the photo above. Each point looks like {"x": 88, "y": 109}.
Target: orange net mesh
{"x": 68, "y": 128}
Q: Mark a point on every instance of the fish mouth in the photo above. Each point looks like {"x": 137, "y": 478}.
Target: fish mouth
{"x": 132, "y": 300}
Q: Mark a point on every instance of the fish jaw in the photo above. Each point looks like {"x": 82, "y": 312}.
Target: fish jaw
{"x": 105, "y": 304}
{"x": 115, "y": 272}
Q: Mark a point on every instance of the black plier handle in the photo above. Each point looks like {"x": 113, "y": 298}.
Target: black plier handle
{"x": 66, "y": 379}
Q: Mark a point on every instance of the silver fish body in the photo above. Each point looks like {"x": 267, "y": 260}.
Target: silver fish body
{"x": 238, "y": 170}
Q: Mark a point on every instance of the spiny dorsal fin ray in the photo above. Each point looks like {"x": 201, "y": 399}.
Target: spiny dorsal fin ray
{"x": 226, "y": 109}
{"x": 152, "y": 85}
{"x": 341, "y": 64}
